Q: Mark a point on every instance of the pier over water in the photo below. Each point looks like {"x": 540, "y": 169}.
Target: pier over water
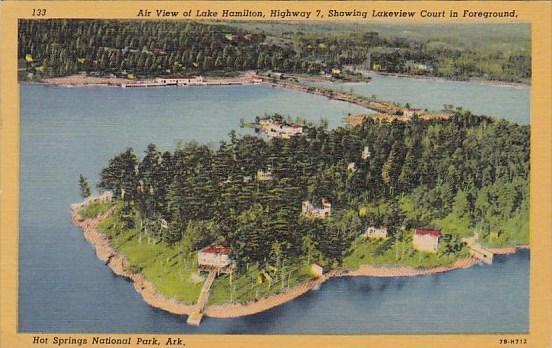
{"x": 195, "y": 317}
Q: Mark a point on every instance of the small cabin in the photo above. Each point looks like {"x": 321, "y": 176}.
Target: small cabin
{"x": 264, "y": 175}
{"x": 374, "y": 232}
{"x": 309, "y": 210}
{"x": 292, "y": 129}
{"x": 365, "y": 153}
{"x": 285, "y": 131}
{"x": 317, "y": 270}
{"x": 275, "y": 129}
{"x": 214, "y": 256}
{"x": 426, "y": 240}
{"x": 351, "y": 168}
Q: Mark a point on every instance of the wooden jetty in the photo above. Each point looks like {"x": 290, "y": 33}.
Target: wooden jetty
{"x": 481, "y": 253}
{"x": 195, "y": 317}
{"x": 478, "y": 251}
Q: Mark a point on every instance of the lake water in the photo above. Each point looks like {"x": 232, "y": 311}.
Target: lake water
{"x": 482, "y": 99}
{"x": 63, "y": 287}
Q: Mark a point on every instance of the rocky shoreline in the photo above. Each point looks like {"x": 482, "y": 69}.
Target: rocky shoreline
{"x": 119, "y": 265}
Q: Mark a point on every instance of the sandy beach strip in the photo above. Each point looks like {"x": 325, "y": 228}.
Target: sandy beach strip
{"x": 246, "y": 78}
{"x": 404, "y": 271}
{"x": 82, "y": 81}
{"x": 232, "y": 310}
{"x": 508, "y": 250}
{"x": 119, "y": 265}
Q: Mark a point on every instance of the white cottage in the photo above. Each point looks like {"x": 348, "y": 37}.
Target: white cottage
{"x": 317, "y": 270}
{"x": 373, "y": 232}
{"x": 264, "y": 175}
{"x": 365, "y": 153}
{"x": 309, "y": 210}
{"x": 214, "y": 256}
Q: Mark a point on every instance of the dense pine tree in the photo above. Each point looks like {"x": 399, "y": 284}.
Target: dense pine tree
{"x": 466, "y": 174}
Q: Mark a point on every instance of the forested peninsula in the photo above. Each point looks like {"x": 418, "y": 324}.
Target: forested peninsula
{"x": 464, "y": 176}
{"x": 145, "y": 49}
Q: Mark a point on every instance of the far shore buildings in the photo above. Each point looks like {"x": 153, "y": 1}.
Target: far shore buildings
{"x": 409, "y": 113}
{"x": 309, "y": 210}
{"x": 179, "y": 81}
{"x": 214, "y": 257}
{"x": 275, "y": 129}
{"x": 374, "y": 232}
{"x": 168, "y": 81}
{"x": 426, "y": 240}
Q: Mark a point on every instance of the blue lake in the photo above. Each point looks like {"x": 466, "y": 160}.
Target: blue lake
{"x": 480, "y": 98}
{"x": 63, "y": 287}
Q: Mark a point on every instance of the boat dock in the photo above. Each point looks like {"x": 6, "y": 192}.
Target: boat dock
{"x": 195, "y": 317}
{"x": 479, "y": 252}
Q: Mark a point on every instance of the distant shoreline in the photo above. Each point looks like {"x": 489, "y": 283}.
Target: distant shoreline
{"x": 119, "y": 265}
{"x": 245, "y": 78}
{"x": 495, "y": 83}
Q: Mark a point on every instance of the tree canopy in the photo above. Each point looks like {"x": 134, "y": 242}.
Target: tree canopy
{"x": 463, "y": 175}
{"x": 152, "y": 48}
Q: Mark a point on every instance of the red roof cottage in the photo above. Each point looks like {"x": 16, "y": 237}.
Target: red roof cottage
{"x": 214, "y": 256}
{"x": 426, "y": 240}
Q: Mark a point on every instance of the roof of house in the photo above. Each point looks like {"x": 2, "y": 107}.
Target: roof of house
{"x": 216, "y": 249}
{"x": 433, "y": 233}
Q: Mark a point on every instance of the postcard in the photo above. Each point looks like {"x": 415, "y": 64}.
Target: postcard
{"x": 275, "y": 174}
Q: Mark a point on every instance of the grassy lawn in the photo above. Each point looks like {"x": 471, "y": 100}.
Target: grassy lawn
{"x": 171, "y": 275}
{"x": 160, "y": 263}
{"x": 252, "y": 285}
{"x": 514, "y": 231}
{"x": 368, "y": 252}
{"x": 94, "y": 209}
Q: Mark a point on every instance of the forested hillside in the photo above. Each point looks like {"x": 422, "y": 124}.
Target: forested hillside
{"x": 144, "y": 49}
{"x": 464, "y": 175}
